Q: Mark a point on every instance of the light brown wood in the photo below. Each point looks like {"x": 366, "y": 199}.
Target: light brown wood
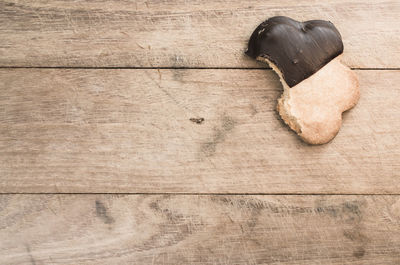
{"x": 143, "y": 229}
{"x": 181, "y": 33}
{"x": 189, "y": 131}
{"x": 130, "y": 131}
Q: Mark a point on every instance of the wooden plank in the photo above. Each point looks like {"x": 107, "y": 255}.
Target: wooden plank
{"x": 145, "y": 229}
{"x": 130, "y": 131}
{"x": 180, "y": 33}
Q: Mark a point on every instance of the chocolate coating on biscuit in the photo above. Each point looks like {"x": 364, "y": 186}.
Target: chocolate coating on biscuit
{"x": 298, "y": 49}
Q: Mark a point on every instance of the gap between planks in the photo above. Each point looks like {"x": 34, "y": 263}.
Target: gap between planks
{"x": 200, "y": 194}
{"x": 174, "y": 68}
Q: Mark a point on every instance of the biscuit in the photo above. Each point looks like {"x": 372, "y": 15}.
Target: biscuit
{"x": 318, "y": 87}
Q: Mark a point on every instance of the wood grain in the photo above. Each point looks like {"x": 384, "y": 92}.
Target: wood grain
{"x": 131, "y": 131}
{"x": 144, "y": 229}
{"x": 181, "y": 33}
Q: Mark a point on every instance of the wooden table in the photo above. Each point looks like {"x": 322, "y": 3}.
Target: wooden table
{"x": 102, "y": 160}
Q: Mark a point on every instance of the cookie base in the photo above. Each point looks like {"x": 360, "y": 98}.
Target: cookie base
{"x": 313, "y": 108}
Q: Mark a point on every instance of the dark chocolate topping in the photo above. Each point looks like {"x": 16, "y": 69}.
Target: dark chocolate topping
{"x": 298, "y": 49}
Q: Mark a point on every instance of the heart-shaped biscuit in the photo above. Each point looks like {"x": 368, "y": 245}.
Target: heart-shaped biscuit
{"x": 318, "y": 88}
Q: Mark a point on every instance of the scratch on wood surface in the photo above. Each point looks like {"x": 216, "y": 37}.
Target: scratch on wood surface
{"x": 253, "y": 110}
{"x": 165, "y": 91}
{"x": 159, "y": 74}
{"x": 209, "y": 148}
{"x": 359, "y": 252}
{"x": 359, "y": 238}
{"x": 32, "y": 260}
{"x": 140, "y": 46}
{"x": 102, "y": 213}
{"x": 355, "y": 235}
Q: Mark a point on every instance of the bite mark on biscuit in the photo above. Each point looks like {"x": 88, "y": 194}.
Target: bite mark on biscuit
{"x": 313, "y": 108}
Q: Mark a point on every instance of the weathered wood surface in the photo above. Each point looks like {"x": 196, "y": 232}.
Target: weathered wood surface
{"x": 145, "y": 229}
{"x": 181, "y": 33}
{"x": 130, "y": 131}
